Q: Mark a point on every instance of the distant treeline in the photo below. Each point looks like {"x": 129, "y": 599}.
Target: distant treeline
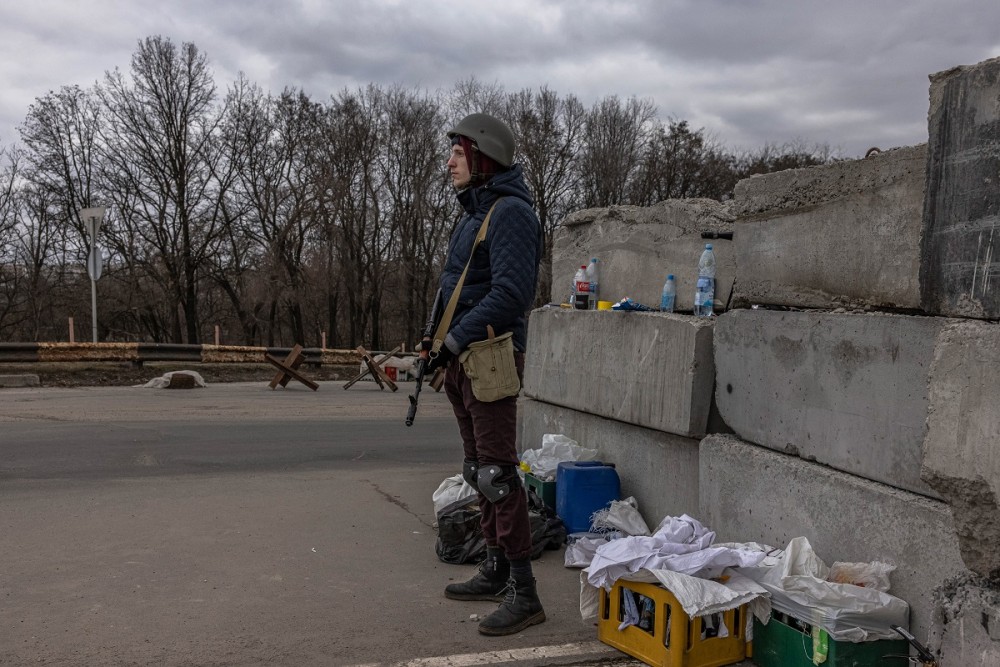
{"x": 278, "y": 216}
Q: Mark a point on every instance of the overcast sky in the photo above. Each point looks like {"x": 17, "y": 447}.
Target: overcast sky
{"x": 847, "y": 73}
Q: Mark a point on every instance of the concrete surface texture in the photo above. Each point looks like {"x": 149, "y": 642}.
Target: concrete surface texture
{"x": 638, "y": 246}
{"x": 971, "y": 609}
{"x": 960, "y": 450}
{"x": 659, "y": 470}
{"x": 752, "y": 493}
{"x": 845, "y": 389}
{"x": 648, "y": 369}
{"x": 845, "y": 234}
{"x": 960, "y": 237}
{"x": 235, "y": 525}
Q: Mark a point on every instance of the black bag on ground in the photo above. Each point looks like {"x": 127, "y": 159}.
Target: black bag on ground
{"x": 460, "y": 538}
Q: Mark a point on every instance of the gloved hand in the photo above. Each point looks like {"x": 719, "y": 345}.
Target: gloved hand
{"x": 441, "y": 360}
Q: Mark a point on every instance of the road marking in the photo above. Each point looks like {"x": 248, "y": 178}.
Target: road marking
{"x": 500, "y": 657}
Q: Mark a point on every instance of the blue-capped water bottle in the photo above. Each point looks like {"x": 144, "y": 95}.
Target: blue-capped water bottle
{"x": 669, "y": 295}
{"x": 593, "y": 280}
{"x": 705, "y": 291}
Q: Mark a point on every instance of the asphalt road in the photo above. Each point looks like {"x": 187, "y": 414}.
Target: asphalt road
{"x": 235, "y": 525}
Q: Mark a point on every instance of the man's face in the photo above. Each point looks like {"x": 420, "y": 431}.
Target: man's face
{"x": 458, "y": 167}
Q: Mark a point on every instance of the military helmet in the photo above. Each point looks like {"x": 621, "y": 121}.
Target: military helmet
{"x": 491, "y": 135}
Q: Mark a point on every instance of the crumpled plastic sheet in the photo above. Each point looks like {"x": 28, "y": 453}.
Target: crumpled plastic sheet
{"x": 555, "y": 449}
{"x": 681, "y": 556}
{"x": 621, "y": 516}
{"x": 581, "y": 547}
{"x": 797, "y": 586}
{"x": 680, "y": 544}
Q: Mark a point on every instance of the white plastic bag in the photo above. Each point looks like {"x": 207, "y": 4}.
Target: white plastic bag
{"x": 870, "y": 575}
{"x": 451, "y": 490}
{"x": 798, "y": 587}
{"x": 622, "y": 515}
{"x": 555, "y": 449}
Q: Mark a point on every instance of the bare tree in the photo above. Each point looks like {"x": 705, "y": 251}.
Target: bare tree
{"x": 161, "y": 162}
{"x": 614, "y": 136}
{"x": 778, "y": 157}
{"x": 274, "y": 141}
{"x": 679, "y": 163}
{"x": 418, "y": 202}
{"x": 14, "y": 290}
{"x": 60, "y": 133}
{"x": 354, "y": 136}
{"x": 549, "y": 132}
{"x": 474, "y": 96}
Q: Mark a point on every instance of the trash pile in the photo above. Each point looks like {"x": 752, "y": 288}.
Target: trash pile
{"x": 832, "y": 607}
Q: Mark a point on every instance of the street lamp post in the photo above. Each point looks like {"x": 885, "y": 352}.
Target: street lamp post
{"x": 92, "y": 218}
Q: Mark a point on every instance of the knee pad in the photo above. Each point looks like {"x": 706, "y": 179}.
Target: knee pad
{"x": 469, "y": 469}
{"x": 498, "y": 482}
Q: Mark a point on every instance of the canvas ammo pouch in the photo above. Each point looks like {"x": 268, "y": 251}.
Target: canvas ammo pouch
{"x": 489, "y": 365}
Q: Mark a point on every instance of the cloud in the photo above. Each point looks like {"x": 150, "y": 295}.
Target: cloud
{"x": 850, "y": 74}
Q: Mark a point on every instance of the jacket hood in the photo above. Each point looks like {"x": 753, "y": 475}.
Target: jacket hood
{"x": 507, "y": 184}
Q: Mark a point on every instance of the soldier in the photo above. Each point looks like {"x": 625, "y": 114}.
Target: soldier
{"x": 498, "y": 290}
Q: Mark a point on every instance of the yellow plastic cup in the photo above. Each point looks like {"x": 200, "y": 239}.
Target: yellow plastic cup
{"x": 604, "y": 305}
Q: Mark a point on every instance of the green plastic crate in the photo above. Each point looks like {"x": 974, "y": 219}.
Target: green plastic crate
{"x": 545, "y": 490}
{"x": 777, "y": 644}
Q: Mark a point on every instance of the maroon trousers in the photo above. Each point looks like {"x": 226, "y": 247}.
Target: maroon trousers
{"x": 489, "y": 433}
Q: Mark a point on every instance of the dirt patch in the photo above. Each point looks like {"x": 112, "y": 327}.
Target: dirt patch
{"x": 117, "y": 374}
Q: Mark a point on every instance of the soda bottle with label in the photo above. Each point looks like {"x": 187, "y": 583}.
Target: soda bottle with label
{"x": 581, "y": 295}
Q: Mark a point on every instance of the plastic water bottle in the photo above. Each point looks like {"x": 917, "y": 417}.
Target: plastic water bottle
{"x": 593, "y": 279}
{"x": 668, "y": 295}
{"x": 581, "y": 289}
{"x": 705, "y": 292}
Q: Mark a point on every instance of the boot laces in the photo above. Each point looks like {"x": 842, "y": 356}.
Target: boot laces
{"x": 509, "y": 592}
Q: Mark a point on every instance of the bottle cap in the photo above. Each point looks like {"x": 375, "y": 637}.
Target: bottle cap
{"x": 670, "y": 276}
{"x": 708, "y": 246}
{"x": 593, "y": 259}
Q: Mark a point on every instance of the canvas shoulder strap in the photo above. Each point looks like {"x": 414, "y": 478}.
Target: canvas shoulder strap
{"x": 449, "y": 310}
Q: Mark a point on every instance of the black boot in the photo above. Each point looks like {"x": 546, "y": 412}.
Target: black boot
{"x": 520, "y": 609}
{"x": 488, "y": 584}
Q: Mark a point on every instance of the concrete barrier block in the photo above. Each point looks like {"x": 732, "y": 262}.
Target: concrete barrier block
{"x": 961, "y": 456}
{"x": 659, "y": 469}
{"x": 638, "y": 246}
{"x": 961, "y": 238}
{"x": 648, "y": 369}
{"x": 751, "y": 493}
{"x": 845, "y": 389}
{"x": 845, "y": 234}
{"x": 22, "y": 380}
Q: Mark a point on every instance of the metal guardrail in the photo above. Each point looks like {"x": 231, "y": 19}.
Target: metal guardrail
{"x": 141, "y": 352}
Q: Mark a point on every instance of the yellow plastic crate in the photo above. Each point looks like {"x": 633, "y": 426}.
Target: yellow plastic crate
{"x": 667, "y": 637}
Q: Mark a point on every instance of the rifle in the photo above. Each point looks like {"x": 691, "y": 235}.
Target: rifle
{"x": 423, "y": 359}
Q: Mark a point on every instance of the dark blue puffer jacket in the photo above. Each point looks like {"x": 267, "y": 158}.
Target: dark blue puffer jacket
{"x": 500, "y": 286}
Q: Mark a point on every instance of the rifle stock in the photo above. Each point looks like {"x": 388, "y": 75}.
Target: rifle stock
{"x": 423, "y": 360}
